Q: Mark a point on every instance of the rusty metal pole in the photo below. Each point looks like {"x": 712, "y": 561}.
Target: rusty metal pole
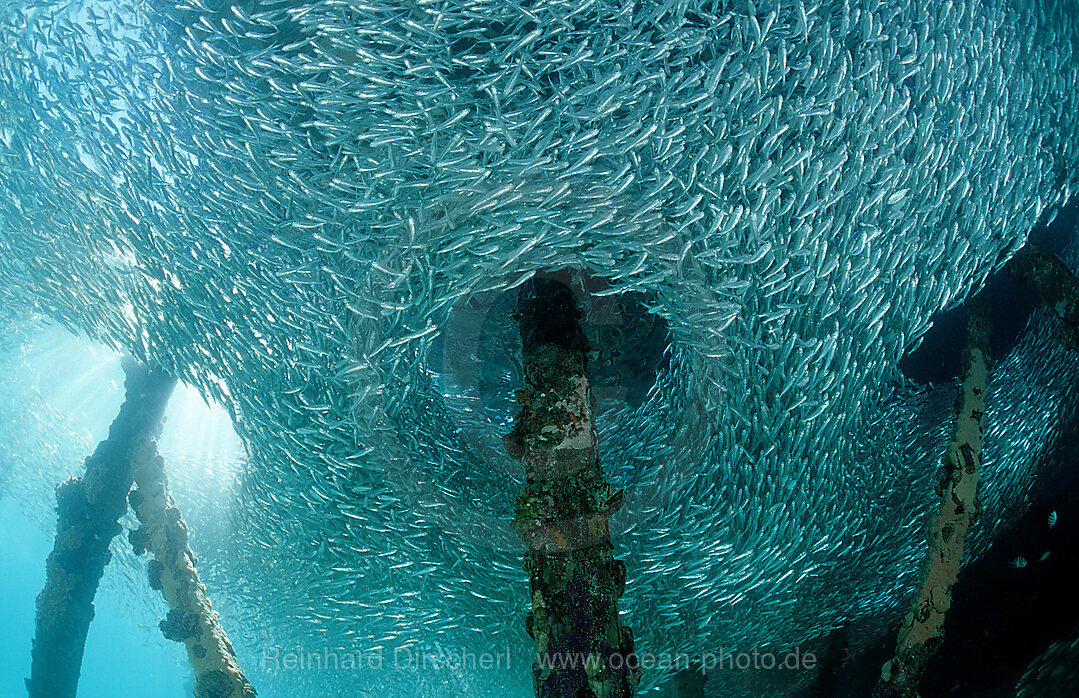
{"x": 582, "y": 647}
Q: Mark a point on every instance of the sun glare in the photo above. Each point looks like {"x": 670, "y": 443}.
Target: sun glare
{"x": 82, "y": 378}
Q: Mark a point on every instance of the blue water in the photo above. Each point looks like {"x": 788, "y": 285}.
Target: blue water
{"x": 62, "y": 394}
{"x": 122, "y": 656}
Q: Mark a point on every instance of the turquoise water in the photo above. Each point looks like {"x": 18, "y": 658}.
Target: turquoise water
{"x": 123, "y": 656}
{"x": 58, "y": 397}
{"x": 60, "y": 394}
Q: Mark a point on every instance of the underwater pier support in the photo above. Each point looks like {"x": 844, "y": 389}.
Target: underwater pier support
{"x": 922, "y": 630}
{"x": 190, "y": 620}
{"x": 88, "y": 513}
{"x": 582, "y": 647}
{"x": 1050, "y": 277}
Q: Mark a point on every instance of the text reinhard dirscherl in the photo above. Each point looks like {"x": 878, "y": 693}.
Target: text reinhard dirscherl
{"x": 410, "y": 658}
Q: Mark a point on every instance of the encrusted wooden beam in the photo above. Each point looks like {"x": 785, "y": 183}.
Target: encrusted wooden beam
{"x": 190, "y": 620}
{"x": 923, "y": 628}
{"x": 582, "y": 647}
{"x": 1051, "y": 278}
{"x": 88, "y": 513}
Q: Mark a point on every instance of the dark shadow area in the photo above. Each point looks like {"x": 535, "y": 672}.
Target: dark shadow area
{"x": 1021, "y": 596}
{"x": 1008, "y": 606}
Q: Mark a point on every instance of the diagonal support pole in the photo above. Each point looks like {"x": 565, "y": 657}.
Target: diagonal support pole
{"x": 923, "y": 627}
{"x": 190, "y": 620}
{"x": 1054, "y": 282}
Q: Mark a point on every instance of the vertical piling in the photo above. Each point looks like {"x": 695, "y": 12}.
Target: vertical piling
{"x": 582, "y": 647}
{"x": 88, "y": 513}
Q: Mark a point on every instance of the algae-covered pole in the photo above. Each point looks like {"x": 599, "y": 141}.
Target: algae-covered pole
{"x": 88, "y": 513}
{"x": 923, "y": 627}
{"x": 1054, "y": 282}
{"x": 582, "y": 648}
{"x": 190, "y": 620}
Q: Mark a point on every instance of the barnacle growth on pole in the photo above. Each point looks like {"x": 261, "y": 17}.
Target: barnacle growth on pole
{"x": 190, "y": 619}
{"x": 922, "y": 630}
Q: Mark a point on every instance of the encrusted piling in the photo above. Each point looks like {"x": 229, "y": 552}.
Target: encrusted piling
{"x": 923, "y": 627}
{"x": 190, "y": 620}
{"x": 582, "y": 647}
{"x": 88, "y": 513}
{"x": 1050, "y": 277}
